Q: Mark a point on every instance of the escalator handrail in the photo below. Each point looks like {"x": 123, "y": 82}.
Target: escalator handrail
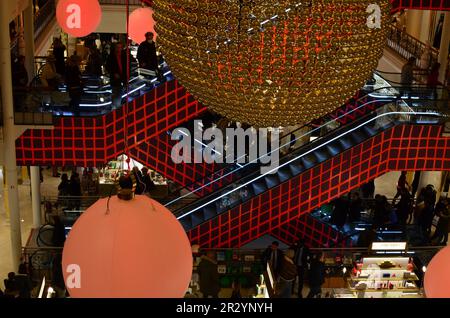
{"x": 347, "y": 131}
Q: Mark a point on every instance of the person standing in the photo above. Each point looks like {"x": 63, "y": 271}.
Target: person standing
{"x": 273, "y": 256}
{"x": 443, "y": 225}
{"x": 209, "y": 277}
{"x": 301, "y": 257}
{"x": 117, "y": 68}
{"x": 407, "y": 77}
{"x": 355, "y": 208}
{"x": 74, "y": 83}
{"x": 316, "y": 276}
{"x": 147, "y": 53}
{"x": 288, "y": 273}
{"x": 59, "y": 50}
{"x": 402, "y": 185}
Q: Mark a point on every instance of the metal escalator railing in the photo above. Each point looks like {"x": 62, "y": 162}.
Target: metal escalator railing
{"x": 408, "y": 46}
{"x": 96, "y": 99}
{"x": 304, "y": 158}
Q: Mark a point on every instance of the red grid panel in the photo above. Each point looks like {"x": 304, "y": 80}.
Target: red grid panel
{"x": 315, "y": 233}
{"x": 420, "y": 4}
{"x": 404, "y": 147}
{"x": 93, "y": 142}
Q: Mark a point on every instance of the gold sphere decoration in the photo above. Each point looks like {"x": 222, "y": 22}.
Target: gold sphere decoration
{"x": 271, "y": 63}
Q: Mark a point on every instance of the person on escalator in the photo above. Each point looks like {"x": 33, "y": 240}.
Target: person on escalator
{"x": 116, "y": 66}
{"x": 340, "y": 211}
{"x": 433, "y": 80}
{"x": 147, "y": 54}
{"x": 407, "y": 77}
{"x": 74, "y": 83}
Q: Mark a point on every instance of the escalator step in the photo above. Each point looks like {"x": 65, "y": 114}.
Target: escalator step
{"x": 307, "y": 162}
{"x": 333, "y": 149}
{"x": 284, "y": 174}
{"x": 210, "y": 211}
{"x": 320, "y": 156}
{"x": 346, "y": 142}
{"x": 272, "y": 181}
{"x": 370, "y": 130}
{"x": 258, "y": 188}
{"x": 197, "y": 218}
{"x": 296, "y": 169}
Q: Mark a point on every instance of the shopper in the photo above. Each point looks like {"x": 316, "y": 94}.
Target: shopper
{"x": 340, "y": 211}
{"x": 273, "y": 256}
{"x": 118, "y": 72}
{"x": 209, "y": 277}
{"x": 49, "y": 77}
{"x": 20, "y": 83}
{"x": 147, "y": 53}
{"x": 94, "y": 62}
{"x": 74, "y": 83}
{"x": 59, "y": 50}
{"x": 287, "y": 275}
{"x": 368, "y": 190}
{"x": 402, "y": 184}
{"x": 316, "y": 276}
{"x": 367, "y": 237}
{"x": 404, "y": 207}
{"x": 147, "y": 180}
{"x": 440, "y": 236}
{"x": 381, "y": 212}
{"x": 75, "y": 191}
{"x": 433, "y": 80}
{"x": 407, "y": 77}
{"x": 301, "y": 258}
{"x": 355, "y": 207}
{"x": 236, "y": 293}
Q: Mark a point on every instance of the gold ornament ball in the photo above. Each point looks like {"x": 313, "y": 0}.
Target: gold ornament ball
{"x": 271, "y": 63}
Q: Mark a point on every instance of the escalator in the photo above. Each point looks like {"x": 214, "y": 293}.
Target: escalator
{"x": 316, "y": 157}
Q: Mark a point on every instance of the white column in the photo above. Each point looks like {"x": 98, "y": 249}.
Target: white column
{"x": 36, "y": 196}
{"x": 28, "y": 18}
{"x": 414, "y": 22}
{"x": 9, "y": 135}
{"x": 425, "y": 26}
{"x": 430, "y": 177}
{"x": 445, "y": 42}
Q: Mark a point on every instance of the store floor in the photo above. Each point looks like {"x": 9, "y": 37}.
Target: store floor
{"x": 385, "y": 185}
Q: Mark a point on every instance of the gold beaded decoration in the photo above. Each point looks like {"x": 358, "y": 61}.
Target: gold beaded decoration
{"x": 271, "y": 63}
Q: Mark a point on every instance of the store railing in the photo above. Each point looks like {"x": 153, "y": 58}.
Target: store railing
{"x": 43, "y": 17}
{"x": 408, "y": 46}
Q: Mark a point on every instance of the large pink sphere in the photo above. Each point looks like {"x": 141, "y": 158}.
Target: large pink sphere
{"x": 78, "y": 18}
{"x": 437, "y": 276}
{"x": 141, "y": 22}
{"x": 137, "y": 250}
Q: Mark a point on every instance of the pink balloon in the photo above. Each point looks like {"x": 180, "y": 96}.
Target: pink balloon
{"x": 137, "y": 250}
{"x": 141, "y": 22}
{"x": 437, "y": 275}
{"x": 78, "y": 18}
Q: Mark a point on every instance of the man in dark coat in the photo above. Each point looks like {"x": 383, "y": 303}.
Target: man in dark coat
{"x": 274, "y": 256}
{"x": 116, "y": 65}
{"x": 301, "y": 257}
{"x": 316, "y": 276}
{"x": 147, "y": 53}
{"x": 209, "y": 277}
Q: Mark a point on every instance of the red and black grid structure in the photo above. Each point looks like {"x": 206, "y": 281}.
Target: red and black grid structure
{"x": 402, "y": 148}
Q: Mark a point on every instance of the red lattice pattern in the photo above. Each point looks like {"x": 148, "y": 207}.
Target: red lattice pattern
{"x": 315, "y": 233}
{"x": 407, "y": 147}
{"x": 90, "y": 142}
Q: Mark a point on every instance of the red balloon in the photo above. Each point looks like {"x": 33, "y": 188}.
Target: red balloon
{"x": 437, "y": 275}
{"x": 141, "y": 22}
{"x": 78, "y": 18}
{"x": 137, "y": 250}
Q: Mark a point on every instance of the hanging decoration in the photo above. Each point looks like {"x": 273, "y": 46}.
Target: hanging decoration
{"x": 141, "y": 22}
{"x": 78, "y": 18}
{"x": 272, "y": 63}
{"x": 127, "y": 247}
{"x": 437, "y": 275}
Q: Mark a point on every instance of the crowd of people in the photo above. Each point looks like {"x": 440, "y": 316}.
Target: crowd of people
{"x": 403, "y": 210}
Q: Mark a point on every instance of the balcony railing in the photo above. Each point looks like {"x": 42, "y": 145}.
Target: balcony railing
{"x": 408, "y": 46}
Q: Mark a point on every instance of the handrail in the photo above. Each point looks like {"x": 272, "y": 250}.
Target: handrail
{"x": 407, "y": 46}
{"x": 180, "y": 214}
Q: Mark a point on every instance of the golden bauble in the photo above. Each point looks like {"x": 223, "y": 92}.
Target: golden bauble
{"x": 271, "y": 62}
